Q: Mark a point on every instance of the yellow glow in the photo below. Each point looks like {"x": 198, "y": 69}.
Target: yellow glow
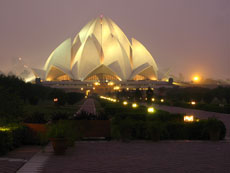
{"x": 188, "y": 118}
{"x": 82, "y": 89}
{"x": 153, "y": 99}
{"x": 134, "y": 105}
{"x": 102, "y": 97}
{"x": 29, "y": 79}
{"x": 87, "y": 92}
{"x": 116, "y": 88}
{"x": 162, "y": 100}
{"x": 55, "y": 99}
{"x": 127, "y": 89}
{"x": 96, "y": 83}
{"x": 110, "y": 83}
{"x": 93, "y": 88}
{"x": 125, "y": 103}
{"x": 151, "y": 110}
{"x": 193, "y": 102}
{"x": 4, "y": 129}
{"x": 196, "y": 78}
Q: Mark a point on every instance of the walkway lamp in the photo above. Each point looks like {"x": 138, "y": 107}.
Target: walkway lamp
{"x": 150, "y": 110}
{"x": 125, "y": 103}
{"x": 188, "y": 118}
{"x": 134, "y": 105}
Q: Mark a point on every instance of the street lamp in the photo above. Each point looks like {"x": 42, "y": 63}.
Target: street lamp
{"x": 125, "y": 103}
{"x": 188, "y": 118}
{"x": 134, "y": 105}
{"x": 150, "y": 110}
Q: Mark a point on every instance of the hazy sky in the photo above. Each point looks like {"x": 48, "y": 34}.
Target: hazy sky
{"x": 189, "y": 36}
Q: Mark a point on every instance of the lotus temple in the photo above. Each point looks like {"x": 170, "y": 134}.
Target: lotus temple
{"x": 100, "y": 54}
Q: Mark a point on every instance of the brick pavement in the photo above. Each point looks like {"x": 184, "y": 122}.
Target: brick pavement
{"x": 142, "y": 157}
{"x": 13, "y": 160}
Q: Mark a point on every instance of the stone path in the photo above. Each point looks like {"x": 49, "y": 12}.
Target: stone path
{"x": 88, "y": 107}
{"x": 36, "y": 163}
{"x": 11, "y": 162}
{"x": 142, "y": 157}
{"x": 199, "y": 114}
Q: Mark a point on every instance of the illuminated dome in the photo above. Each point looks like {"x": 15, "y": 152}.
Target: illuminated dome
{"x": 100, "y": 51}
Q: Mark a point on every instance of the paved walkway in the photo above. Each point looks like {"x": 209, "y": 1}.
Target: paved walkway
{"x": 199, "y": 114}
{"x": 11, "y": 162}
{"x": 142, "y": 157}
{"x": 88, "y": 107}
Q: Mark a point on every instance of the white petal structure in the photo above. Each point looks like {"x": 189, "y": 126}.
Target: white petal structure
{"x": 100, "y": 51}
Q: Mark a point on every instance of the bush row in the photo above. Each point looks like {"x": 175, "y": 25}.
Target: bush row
{"x": 16, "y": 135}
{"x": 171, "y": 130}
{"x": 129, "y": 123}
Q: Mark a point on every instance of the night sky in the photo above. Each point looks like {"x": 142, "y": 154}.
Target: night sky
{"x": 188, "y": 36}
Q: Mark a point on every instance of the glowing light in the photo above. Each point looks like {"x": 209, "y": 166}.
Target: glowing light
{"x": 188, "y": 118}
{"x": 162, "y": 100}
{"x": 82, "y": 89}
{"x": 4, "y": 129}
{"x": 96, "y": 83}
{"x": 151, "y": 110}
{"x": 102, "y": 97}
{"x": 125, "y": 103}
{"x": 196, "y": 79}
{"x": 93, "y": 88}
{"x": 87, "y": 92}
{"x": 55, "y": 99}
{"x": 193, "y": 102}
{"x": 153, "y": 99}
{"x": 110, "y": 83}
{"x": 127, "y": 89}
{"x": 134, "y": 105}
{"x": 29, "y": 79}
{"x": 116, "y": 88}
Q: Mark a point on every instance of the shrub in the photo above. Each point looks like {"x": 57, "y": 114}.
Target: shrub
{"x": 56, "y": 116}
{"x": 36, "y": 117}
{"x": 11, "y": 136}
{"x": 63, "y": 129}
{"x": 73, "y": 97}
{"x": 154, "y": 130}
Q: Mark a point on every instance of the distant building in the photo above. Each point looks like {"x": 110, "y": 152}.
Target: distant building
{"x": 100, "y": 58}
{"x": 99, "y": 52}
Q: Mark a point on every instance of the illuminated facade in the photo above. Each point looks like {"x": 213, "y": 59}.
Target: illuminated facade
{"x": 99, "y": 52}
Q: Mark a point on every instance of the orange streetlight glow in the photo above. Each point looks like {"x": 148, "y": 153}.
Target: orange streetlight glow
{"x": 125, "y": 103}
{"x": 134, "y": 105}
{"x": 196, "y": 79}
{"x": 151, "y": 110}
{"x": 193, "y": 102}
{"x": 188, "y": 118}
